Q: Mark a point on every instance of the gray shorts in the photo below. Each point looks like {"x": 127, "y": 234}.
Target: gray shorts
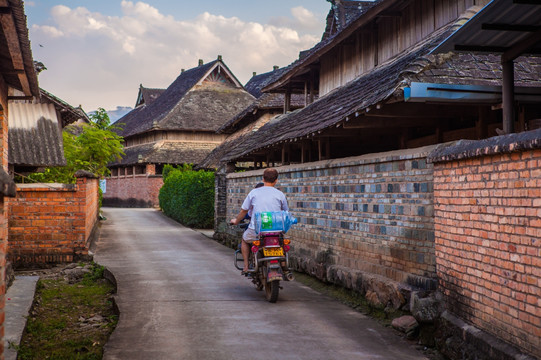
{"x": 250, "y": 235}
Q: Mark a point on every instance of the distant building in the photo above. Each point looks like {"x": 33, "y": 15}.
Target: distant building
{"x": 173, "y": 126}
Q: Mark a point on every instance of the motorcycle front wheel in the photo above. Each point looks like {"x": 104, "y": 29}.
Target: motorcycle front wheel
{"x": 271, "y": 291}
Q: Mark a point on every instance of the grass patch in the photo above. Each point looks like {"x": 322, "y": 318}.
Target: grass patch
{"x": 69, "y": 319}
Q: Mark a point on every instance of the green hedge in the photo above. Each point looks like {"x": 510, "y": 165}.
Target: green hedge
{"x": 188, "y": 197}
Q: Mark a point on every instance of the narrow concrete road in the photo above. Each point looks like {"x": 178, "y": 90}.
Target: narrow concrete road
{"x": 181, "y": 298}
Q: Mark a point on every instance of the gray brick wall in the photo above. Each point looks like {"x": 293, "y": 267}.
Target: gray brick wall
{"x": 370, "y": 213}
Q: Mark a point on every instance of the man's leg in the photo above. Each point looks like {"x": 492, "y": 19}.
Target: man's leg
{"x": 248, "y": 236}
{"x": 245, "y": 249}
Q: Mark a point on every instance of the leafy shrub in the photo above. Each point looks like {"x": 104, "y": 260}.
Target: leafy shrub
{"x": 188, "y": 197}
{"x": 168, "y": 168}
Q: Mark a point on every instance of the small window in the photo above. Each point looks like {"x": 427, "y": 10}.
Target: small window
{"x": 139, "y": 170}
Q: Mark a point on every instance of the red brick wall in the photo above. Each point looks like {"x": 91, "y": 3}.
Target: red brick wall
{"x": 133, "y": 190}
{"x": 52, "y": 222}
{"x": 488, "y": 243}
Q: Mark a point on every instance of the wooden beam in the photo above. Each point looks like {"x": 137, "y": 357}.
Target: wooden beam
{"x": 388, "y": 122}
{"x": 510, "y": 27}
{"x": 522, "y": 46}
{"x": 527, "y": 2}
{"x": 421, "y": 110}
{"x": 20, "y": 97}
{"x": 481, "y": 48}
{"x": 14, "y": 47}
{"x": 3, "y": 94}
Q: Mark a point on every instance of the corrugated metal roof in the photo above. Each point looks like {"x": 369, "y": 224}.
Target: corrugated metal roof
{"x": 34, "y": 137}
{"x": 498, "y": 27}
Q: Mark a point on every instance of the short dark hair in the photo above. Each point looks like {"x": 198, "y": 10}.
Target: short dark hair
{"x": 270, "y": 175}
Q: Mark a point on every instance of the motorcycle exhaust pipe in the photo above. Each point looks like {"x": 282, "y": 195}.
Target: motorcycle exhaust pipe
{"x": 290, "y": 276}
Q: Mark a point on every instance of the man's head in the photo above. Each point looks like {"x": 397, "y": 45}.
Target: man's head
{"x": 270, "y": 176}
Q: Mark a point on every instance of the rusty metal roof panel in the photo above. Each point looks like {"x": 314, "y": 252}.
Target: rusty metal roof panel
{"x": 34, "y": 137}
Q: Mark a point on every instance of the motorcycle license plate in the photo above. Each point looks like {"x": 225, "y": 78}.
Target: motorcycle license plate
{"x": 273, "y": 252}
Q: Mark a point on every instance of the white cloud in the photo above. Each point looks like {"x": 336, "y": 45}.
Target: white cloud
{"x": 99, "y": 61}
{"x": 305, "y": 17}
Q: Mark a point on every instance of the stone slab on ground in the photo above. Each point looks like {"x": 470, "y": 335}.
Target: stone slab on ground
{"x": 19, "y": 298}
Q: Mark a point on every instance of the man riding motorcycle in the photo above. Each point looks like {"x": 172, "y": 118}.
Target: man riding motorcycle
{"x": 263, "y": 199}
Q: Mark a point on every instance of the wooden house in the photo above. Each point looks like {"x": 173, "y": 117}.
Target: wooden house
{"x": 265, "y": 107}
{"x": 379, "y": 87}
{"x": 177, "y": 127}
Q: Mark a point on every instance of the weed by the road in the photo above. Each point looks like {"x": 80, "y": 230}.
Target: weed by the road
{"x": 349, "y": 298}
{"x": 69, "y": 319}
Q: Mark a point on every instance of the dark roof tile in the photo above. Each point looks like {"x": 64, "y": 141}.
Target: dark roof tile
{"x": 165, "y": 152}
{"x": 184, "y": 106}
{"x": 375, "y": 87}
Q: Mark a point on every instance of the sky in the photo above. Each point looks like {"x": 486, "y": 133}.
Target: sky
{"x": 98, "y": 52}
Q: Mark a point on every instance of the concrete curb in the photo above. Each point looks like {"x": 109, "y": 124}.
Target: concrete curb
{"x": 19, "y": 300}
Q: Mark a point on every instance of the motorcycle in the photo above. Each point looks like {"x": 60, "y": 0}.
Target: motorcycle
{"x": 268, "y": 262}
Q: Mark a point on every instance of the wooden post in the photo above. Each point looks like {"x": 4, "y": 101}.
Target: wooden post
{"x": 287, "y": 100}
{"x": 521, "y": 119}
{"x": 481, "y": 124}
{"x": 508, "y": 96}
{"x": 312, "y": 82}
{"x": 404, "y": 138}
{"x": 305, "y": 93}
{"x": 327, "y": 148}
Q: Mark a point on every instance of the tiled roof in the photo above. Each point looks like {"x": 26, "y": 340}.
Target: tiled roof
{"x": 68, "y": 113}
{"x": 148, "y": 95}
{"x": 34, "y": 138}
{"x": 165, "y": 152}
{"x": 185, "y": 106}
{"x": 378, "y": 85}
{"x": 352, "y": 10}
{"x": 258, "y": 82}
{"x": 267, "y": 101}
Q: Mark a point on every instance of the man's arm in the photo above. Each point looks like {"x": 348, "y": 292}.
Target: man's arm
{"x": 239, "y": 217}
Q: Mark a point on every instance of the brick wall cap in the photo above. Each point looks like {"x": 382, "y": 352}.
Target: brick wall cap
{"x": 46, "y": 186}
{"x": 372, "y": 158}
{"x": 465, "y": 149}
{"x": 84, "y": 173}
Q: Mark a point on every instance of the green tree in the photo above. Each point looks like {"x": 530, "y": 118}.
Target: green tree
{"x": 101, "y": 119}
{"x": 91, "y": 150}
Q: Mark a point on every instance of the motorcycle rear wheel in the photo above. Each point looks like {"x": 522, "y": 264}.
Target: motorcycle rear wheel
{"x": 271, "y": 291}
